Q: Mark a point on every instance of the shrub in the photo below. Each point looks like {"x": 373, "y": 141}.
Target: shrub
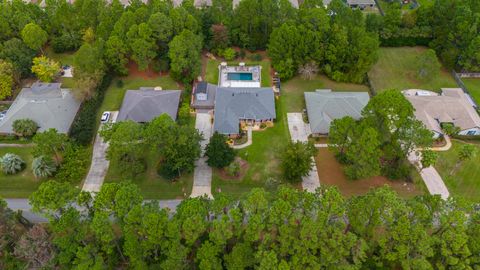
{"x": 43, "y": 167}
{"x": 25, "y": 127}
{"x": 161, "y": 65}
{"x": 242, "y": 53}
{"x": 229, "y": 54}
{"x": 83, "y": 128}
{"x": 255, "y": 57}
{"x": 234, "y": 169}
{"x": 12, "y": 163}
{"x": 119, "y": 84}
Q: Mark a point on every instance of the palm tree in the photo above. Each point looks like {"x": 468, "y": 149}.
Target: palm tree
{"x": 43, "y": 167}
{"x": 12, "y": 163}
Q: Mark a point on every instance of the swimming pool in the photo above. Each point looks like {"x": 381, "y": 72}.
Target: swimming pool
{"x": 241, "y": 76}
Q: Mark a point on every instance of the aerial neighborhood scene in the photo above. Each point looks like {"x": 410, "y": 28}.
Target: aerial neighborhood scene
{"x": 240, "y": 134}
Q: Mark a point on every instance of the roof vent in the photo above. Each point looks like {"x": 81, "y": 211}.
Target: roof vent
{"x": 233, "y": 94}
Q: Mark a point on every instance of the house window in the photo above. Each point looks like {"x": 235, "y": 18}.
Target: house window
{"x": 471, "y": 133}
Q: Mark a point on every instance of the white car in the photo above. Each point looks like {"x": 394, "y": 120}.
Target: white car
{"x": 105, "y": 117}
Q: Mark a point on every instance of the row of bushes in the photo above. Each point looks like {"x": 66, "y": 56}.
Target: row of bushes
{"x": 83, "y": 128}
{"x": 405, "y": 41}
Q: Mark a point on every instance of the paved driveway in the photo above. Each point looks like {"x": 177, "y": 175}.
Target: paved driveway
{"x": 202, "y": 176}
{"x": 299, "y": 131}
{"x": 99, "y": 167}
{"x": 430, "y": 176}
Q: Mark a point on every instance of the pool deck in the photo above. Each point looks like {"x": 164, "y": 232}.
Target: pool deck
{"x": 224, "y": 70}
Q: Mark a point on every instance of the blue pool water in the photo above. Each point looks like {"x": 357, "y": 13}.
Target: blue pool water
{"x": 240, "y": 76}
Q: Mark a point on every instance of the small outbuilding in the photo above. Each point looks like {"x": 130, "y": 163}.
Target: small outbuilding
{"x": 147, "y": 103}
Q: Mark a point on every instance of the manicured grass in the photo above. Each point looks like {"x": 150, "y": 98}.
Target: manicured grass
{"x": 63, "y": 59}
{"x": 292, "y": 90}
{"x": 19, "y": 185}
{"x": 473, "y": 86}
{"x": 211, "y": 75}
{"x": 397, "y": 69}
{"x": 262, "y": 157}
{"x": 151, "y": 184}
{"x": 463, "y": 180}
{"x": 331, "y": 173}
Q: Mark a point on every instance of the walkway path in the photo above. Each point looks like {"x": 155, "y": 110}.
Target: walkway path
{"x": 99, "y": 167}
{"x": 202, "y": 176}
{"x": 430, "y": 176}
{"x": 2, "y": 145}
{"x": 299, "y": 131}
{"x": 249, "y": 140}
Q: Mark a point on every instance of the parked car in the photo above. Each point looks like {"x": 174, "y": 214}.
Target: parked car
{"x": 105, "y": 117}
{"x": 2, "y": 115}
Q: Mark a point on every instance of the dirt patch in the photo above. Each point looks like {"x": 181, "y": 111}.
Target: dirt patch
{"x": 331, "y": 173}
{"x": 243, "y": 170}
{"x": 146, "y": 74}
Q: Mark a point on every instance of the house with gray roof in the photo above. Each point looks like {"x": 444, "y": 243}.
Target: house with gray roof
{"x": 147, "y": 103}
{"x": 324, "y": 106}
{"x": 47, "y": 104}
{"x": 361, "y": 4}
{"x": 248, "y": 105}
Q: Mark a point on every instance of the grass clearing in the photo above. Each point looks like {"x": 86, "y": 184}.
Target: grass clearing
{"x": 211, "y": 74}
{"x": 63, "y": 59}
{"x": 396, "y": 68}
{"x": 151, "y": 184}
{"x": 331, "y": 173}
{"x": 473, "y": 86}
{"x": 462, "y": 179}
{"x": 19, "y": 185}
{"x": 293, "y": 89}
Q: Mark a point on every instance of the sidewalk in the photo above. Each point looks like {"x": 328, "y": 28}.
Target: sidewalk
{"x": 299, "y": 131}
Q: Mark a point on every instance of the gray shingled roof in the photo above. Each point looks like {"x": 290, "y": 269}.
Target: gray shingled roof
{"x": 234, "y": 104}
{"x": 324, "y": 106}
{"x": 145, "y": 104}
{"x": 210, "y": 90}
{"x": 46, "y": 104}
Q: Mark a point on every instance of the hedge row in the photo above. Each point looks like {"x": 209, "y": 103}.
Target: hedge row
{"x": 83, "y": 128}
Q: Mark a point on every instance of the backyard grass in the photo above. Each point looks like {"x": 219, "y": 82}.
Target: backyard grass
{"x": 20, "y": 185}
{"x": 151, "y": 184}
{"x": 63, "y": 59}
{"x": 211, "y": 74}
{"x": 331, "y": 173}
{"x": 262, "y": 157}
{"x": 473, "y": 86}
{"x": 463, "y": 180}
{"x": 396, "y": 68}
{"x": 292, "y": 90}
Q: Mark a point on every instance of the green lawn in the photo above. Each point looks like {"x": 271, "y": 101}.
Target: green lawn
{"x": 20, "y": 185}
{"x": 151, "y": 184}
{"x": 396, "y": 68}
{"x": 211, "y": 75}
{"x": 292, "y": 90}
{"x": 473, "y": 86}
{"x": 463, "y": 180}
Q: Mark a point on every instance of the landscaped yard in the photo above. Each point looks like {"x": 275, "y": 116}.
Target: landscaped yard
{"x": 473, "y": 86}
{"x": 63, "y": 59}
{"x": 262, "y": 157}
{"x": 461, "y": 178}
{"x": 292, "y": 90}
{"x": 151, "y": 184}
{"x": 331, "y": 173}
{"x": 20, "y": 185}
{"x": 211, "y": 75}
{"x": 397, "y": 69}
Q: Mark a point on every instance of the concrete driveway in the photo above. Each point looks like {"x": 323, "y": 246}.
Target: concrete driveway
{"x": 202, "y": 175}
{"x": 430, "y": 176}
{"x": 99, "y": 167}
{"x": 299, "y": 131}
